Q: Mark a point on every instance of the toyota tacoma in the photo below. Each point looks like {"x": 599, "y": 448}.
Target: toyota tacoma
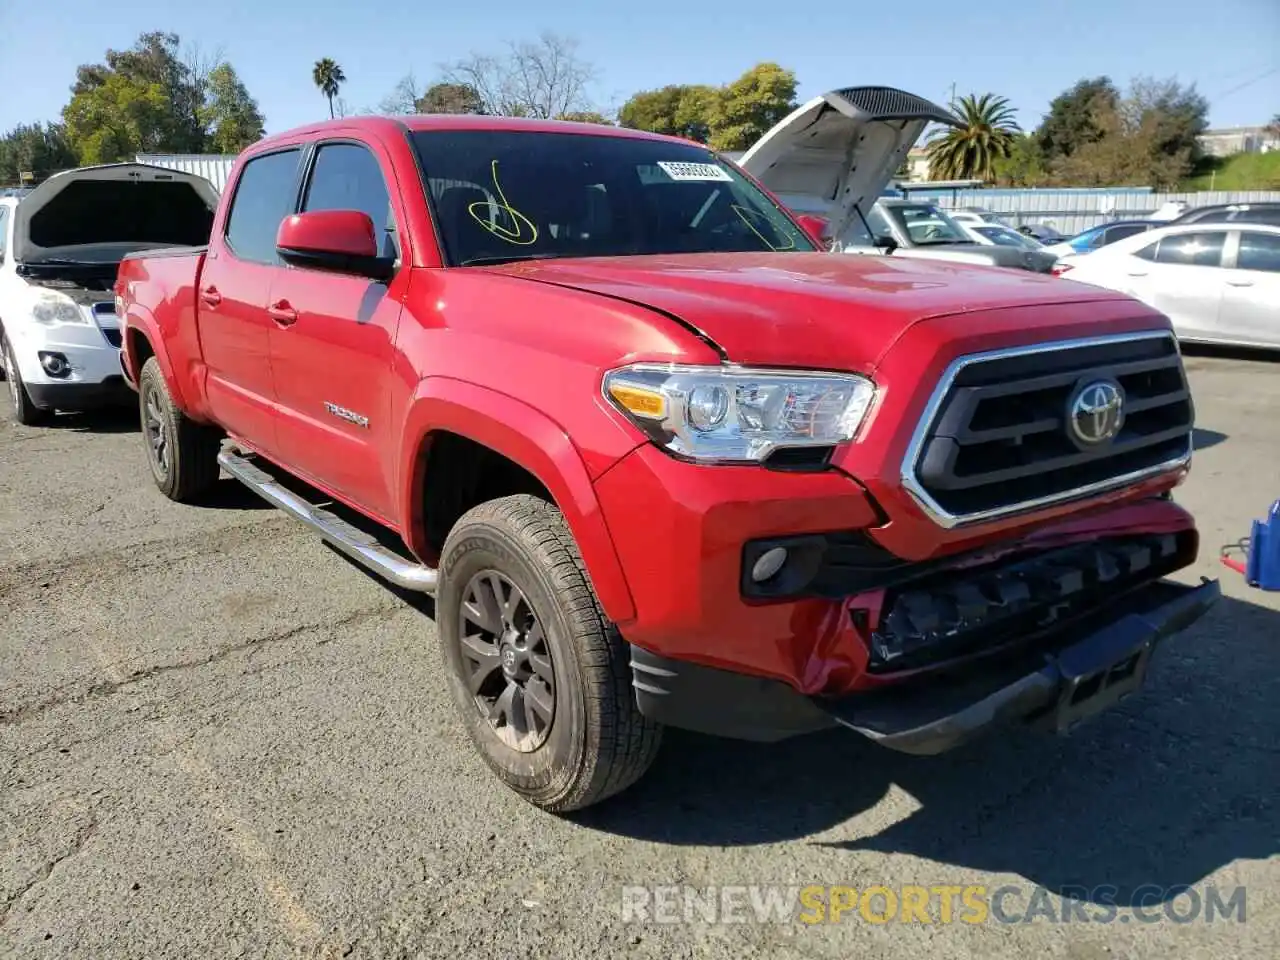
{"x": 661, "y": 460}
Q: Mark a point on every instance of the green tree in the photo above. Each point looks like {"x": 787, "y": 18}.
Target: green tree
{"x": 118, "y": 119}
{"x": 585, "y": 116}
{"x": 328, "y": 78}
{"x": 1072, "y": 121}
{"x": 450, "y": 98}
{"x": 150, "y": 98}
{"x": 1025, "y": 165}
{"x": 38, "y": 149}
{"x": 986, "y": 133}
{"x": 746, "y": 109}
{"x": 1273, "y": 127}
{"x": 678, "y": 110}
{"x": 230, "y": 114}
{"x": 1146, "y": 139}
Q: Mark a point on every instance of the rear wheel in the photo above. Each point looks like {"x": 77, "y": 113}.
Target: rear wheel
{"x": 540, "y": 678}
{"x": 24, "y": 411}
{"x": 182, "y": 454}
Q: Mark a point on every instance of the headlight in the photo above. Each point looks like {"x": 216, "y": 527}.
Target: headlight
{"x": 736, "y": 415}
{"x": 55, "y": 308}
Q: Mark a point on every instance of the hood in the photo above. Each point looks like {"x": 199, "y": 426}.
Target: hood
{"x": 1038, "y": 261}
{"x": 802, "y": 309}
{"x": 101, "y": 213}
{"x": 837, "y": 153}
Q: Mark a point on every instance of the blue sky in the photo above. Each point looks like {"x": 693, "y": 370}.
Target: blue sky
{"x": 1028, "y": 50}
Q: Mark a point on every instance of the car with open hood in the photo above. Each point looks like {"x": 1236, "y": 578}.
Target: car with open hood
{"x": 833, "y": 157}
{"x": 60, "y": 247}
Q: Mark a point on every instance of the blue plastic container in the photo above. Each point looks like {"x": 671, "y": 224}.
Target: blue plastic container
{"x": 1263, "y": 567}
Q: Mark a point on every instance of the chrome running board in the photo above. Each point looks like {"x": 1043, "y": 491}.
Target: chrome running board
{"x": 361, "y": 547}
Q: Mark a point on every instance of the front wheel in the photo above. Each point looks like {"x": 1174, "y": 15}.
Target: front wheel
{"x": 540, "y": 678}
{"x": 182, "y": 454}
{"x": 24, "y": 411}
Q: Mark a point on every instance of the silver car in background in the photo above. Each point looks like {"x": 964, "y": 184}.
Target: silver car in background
{"x": 1218, "y": 282}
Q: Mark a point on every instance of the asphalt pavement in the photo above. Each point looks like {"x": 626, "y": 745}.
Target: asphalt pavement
{"x": 219, "y": 738}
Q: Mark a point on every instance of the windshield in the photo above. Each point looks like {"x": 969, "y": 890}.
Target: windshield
{"x": 1005, "y": 237}
{"x": 501, "y": 195}
{"x": 927, "y": 224}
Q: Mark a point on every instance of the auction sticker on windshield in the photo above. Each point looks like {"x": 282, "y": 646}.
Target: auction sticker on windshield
{"x": 694, "y": 171}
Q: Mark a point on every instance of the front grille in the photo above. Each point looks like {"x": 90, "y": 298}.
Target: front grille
{"x": 997, "y": 437}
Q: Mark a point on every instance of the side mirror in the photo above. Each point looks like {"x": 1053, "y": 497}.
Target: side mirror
{"x": 818, "y": 228}
{"x": 339, "y": 240}
{"x": 885, "y": 242}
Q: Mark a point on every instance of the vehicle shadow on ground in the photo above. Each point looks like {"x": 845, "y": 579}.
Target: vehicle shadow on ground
{"x": 109, "y": 420}
{"x": 231, "y": 494}
{"x": 1166, "y": 789}
{"x": 1202, "y": 439}
{"x": 1256, "y": 355}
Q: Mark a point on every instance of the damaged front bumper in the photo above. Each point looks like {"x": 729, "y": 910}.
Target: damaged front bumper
{"x": 1069, "y": 677}
{"x": 1054, "y": 688}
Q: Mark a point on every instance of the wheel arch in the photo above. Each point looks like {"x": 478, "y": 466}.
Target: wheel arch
{"x": 526, "y": 439}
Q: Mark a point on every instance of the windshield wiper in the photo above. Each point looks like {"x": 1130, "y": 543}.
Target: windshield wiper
{"x": 507, "y": 258}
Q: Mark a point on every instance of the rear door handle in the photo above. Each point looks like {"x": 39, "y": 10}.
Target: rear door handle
{"x": 282, "y": 313}
{"x": 211, "y": 296}
{"x": 1240, "y": 283}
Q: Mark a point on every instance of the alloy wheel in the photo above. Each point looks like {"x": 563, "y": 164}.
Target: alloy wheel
{"x": 10, "y": 372}
{"x": 157, "y": 432}
{"x": 507, "y": 661}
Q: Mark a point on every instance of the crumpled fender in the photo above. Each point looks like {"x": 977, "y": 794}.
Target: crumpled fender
{"x": 530, "y": 438}
{"x": 144, "y": 322}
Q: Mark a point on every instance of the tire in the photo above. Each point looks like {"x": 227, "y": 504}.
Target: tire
{"x": 182, "y": 454}
{"x": 24, "y": 411}
{"x": 596, "y": 743}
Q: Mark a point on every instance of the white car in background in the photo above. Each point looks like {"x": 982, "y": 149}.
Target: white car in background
{"x": 60, "y": 246}
{"x": 1218, "y": 282}
{"x": 976, "y": 216}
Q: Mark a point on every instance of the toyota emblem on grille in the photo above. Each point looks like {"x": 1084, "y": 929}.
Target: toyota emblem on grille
{"x": 1096, "y": 412}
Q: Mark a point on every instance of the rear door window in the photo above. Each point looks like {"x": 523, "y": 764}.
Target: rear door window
{"x": 1259, "y": 251}
{"x": 1193, "y": 249}
{"x": 4, "y": 233}
{"x": 1128, "y": 230}
{"x": 265, "y": 195}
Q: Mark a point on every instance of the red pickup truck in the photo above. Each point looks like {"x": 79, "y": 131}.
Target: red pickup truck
{"x": 660, "y": 459}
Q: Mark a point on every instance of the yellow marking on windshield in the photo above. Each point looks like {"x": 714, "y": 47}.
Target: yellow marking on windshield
{"x": 745, "y": 216}
{"x": 516, "y": 236}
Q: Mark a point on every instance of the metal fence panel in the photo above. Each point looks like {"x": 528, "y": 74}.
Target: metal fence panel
{"x": 1071, "y": 211}
{"x": 214, "y": 168}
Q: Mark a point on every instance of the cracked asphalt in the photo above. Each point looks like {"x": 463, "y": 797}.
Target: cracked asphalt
{"x": 218, "y": 738}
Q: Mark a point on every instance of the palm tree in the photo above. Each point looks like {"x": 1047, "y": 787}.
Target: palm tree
{"x": 986, "y": 132}
{"x": 328, "y": 76}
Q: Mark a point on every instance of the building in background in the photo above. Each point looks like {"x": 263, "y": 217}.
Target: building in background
{"x": 216, "y": 168}
{"x": 1228, "y": 141}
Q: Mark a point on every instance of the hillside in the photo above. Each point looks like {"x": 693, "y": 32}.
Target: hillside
{"x": 1244, "y": 171}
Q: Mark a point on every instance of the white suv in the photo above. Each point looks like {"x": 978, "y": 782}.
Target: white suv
{"x": 60, "y": 246}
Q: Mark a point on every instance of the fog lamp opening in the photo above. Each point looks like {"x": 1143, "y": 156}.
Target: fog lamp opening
{"x": 768, "y": 564}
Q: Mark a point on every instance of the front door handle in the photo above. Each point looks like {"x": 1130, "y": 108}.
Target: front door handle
{"x": 1240, "y": 283}
{"x": 1137, "y": 273}
{"x": 211, "y": 296}
{"x": 282, "y": 313}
